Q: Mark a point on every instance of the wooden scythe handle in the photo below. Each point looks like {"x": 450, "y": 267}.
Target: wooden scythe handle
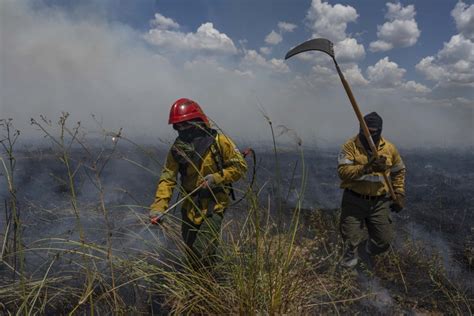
{"x": 365, "y": 129}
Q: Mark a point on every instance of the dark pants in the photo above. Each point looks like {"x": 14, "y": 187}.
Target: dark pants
{"x": 202, "y": 240}
{"x": 374, "y": 214}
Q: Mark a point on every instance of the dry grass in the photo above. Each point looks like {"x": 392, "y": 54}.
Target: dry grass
{"x": 272, "y": 260}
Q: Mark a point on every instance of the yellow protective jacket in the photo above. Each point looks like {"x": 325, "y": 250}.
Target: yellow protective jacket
{"x": 352, "y": 159}
{"x": 234, "y": 167}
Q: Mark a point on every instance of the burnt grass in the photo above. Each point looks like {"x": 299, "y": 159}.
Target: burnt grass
{"x": 438, "y": 221}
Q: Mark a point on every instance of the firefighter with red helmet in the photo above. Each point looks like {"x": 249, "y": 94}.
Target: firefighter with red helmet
{"x": 205, "y": 158}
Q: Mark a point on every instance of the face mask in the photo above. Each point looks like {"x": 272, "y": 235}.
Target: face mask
{"x": 376, "y": 135}
{"x": 190, "y": 133}
{"x": 374, "y": 121}
{"x": 186, "y": 135}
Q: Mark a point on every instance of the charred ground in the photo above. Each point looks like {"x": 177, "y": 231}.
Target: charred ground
{"x": 439, "y": 218}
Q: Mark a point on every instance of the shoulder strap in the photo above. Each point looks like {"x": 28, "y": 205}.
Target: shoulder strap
{"x": 217, "y": 155}
{"x": 218, "y": 159}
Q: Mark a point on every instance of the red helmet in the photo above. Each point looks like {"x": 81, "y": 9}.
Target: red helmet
{"x": 184, "y": 110}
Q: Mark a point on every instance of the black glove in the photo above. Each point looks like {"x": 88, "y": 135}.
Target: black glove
{"x": 399, "y": 204}
{"x": 376, "y": 165}
{"x": 380, "y": 164}
{"x": 368, "y": 166}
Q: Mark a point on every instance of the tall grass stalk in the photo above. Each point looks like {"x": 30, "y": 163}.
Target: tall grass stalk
{"x": 8, "y": 141}
{"x": 64, "y": 145}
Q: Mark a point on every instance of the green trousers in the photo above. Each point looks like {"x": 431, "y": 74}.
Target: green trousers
{"x": 202, "y": 240}
{"x": 374, "y": 214}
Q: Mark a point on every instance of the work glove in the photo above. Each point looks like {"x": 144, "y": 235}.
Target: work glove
{"x": 399, "y": 204}
{"x": 156, "y": 217}
{"x": 208, "y": 181}
{"x": 380, "y": 164}
{"x": 368, "y": 166}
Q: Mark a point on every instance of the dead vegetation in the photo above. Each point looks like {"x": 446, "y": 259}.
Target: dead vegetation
{"x": 85, "y": 262}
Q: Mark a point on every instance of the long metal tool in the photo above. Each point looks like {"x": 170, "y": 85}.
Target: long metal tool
{"x": 326, "y": 46}
{"x": 177, "y": 203}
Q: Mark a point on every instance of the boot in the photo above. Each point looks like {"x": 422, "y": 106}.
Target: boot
{"x": 365, "y": 255}
{"x": 349, "y": 260}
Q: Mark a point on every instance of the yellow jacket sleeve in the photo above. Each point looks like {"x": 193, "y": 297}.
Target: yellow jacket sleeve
{"x": 397, "y": 172}
{"x": 166, "y": 184}
{"x": 347, "y": 168}
{"x": 234, "y": 164}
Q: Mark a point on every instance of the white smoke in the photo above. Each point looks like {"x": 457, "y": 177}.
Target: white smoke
{"x": 53, "y": 63}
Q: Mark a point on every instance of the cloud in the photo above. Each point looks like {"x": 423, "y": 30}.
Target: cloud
{"x": 349, "y": 50}
{"x": 457, "y": 49}
{"x": 273, "y": 38}
{"x": 464, "y": 17}
{"x": 330, "y": 21}
{"x": 380, "y": 46}
{"x": 385, "y": 73}
{"x": 401, "y": 30}
{"x": 354, "y": 75}
{"x": 453, "y": 64}
{"x": 252, "y": 58}
{"x": 206, "y": 38}
{"x": 451, "y": 67}
{"x": 416, "y": 87}
{"x": 397, "y": 12}
{"x": 163, "y": 23}
{"x": 265, "y": 50}
{"x": 286, "y": 27}
{"x": 326, "y": 74}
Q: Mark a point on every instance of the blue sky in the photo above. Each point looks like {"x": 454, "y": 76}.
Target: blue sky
{"x": 253, "y": 20}
{"x": 410, "y": 60}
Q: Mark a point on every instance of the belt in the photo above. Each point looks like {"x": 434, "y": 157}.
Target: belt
{"x": 364, "y": 196}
